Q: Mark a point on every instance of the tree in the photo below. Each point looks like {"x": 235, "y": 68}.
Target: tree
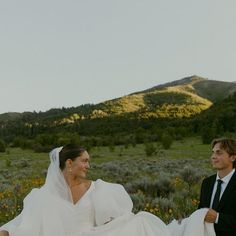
{"x": 206, "y": 135}
{"x": 2, "y": 146}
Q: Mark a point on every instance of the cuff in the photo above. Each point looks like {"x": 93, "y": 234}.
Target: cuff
{"x": 217, "y": 218}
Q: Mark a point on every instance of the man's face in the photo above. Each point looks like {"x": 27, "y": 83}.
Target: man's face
{"x": 220, "y": 159}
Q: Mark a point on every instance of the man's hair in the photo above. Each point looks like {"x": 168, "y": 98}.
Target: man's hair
{"x": 227, "y": 144}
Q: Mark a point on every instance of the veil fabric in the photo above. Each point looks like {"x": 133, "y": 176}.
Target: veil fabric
{"x": 55, "y": 181}
{"x": 47, "y": 210}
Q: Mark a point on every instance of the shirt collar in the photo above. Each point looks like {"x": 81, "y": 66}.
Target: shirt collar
{"x": 227, "y": 178}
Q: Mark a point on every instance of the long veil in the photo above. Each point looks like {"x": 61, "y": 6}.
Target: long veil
{"x": 45, "y": 211}
{"x": 55, "y": 182}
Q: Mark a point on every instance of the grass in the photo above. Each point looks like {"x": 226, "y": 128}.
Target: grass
{"x": 156, "y": 183}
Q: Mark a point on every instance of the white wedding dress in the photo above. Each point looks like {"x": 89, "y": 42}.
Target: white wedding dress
{"x": 104, "y": 210}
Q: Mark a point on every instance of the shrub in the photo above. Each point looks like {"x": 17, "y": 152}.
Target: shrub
{"x": 7, "y": 162}
{"x": 164, "y": 186}
{"x": 190, "y": 175}
{"x": 2, "y": 146}
{"x": 166, "y": 141}
{"x": 150, "y": 149}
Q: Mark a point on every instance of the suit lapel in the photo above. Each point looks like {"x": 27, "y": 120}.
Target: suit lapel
{"x": 226, "y": 195}
{"x": 210, "y": 187}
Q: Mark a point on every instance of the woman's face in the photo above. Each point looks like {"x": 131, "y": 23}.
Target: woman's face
{"x": 80, "y": 165}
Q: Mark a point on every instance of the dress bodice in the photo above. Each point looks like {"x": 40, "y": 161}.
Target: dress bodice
{"x": 83, "y": 211}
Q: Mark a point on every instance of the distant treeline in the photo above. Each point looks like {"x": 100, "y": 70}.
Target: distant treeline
{"x": 41, "y": 131}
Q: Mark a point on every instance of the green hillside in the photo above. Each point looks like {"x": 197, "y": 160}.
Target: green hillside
{"x": 214, "y": 91}
{"x": 147, "y": 109}
{"x": 10, "y": 116}
{"x": 182, "y": 98}
{"x": 218, "y": 120}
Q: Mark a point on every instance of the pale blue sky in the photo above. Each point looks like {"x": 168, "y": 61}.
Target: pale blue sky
{"x": 56, "y": 53}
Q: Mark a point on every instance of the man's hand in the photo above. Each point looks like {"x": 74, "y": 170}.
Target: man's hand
{"x": 211, "y": 216}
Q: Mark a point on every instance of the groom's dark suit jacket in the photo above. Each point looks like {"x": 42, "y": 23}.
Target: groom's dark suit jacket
{"x": 226, "y": 225}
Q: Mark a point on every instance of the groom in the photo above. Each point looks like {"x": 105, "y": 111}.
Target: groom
{"x": 218, "y": 192}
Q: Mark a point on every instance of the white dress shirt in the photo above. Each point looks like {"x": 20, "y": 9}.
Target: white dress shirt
{"x": 224, "y": 184}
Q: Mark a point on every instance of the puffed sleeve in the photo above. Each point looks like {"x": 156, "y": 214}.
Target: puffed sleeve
{"x": 110, "y": 201}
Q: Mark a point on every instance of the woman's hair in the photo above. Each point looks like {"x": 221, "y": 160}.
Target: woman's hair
{"x": 227, "y": 144}
{"x": 70, "y": 151}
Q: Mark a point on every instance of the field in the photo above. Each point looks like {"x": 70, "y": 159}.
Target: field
{"x": 166, "y": 183}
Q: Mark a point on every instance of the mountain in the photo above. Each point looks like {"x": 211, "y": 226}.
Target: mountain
{"x": 10, "y": 116}
{"x": 182, "y": 98}
{"x": 210, "y": 89}
{"x": 178, "y": 99}
{"x": 192, "y": 105}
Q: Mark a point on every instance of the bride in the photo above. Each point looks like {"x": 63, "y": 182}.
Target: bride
{"x": 69, "y": 204}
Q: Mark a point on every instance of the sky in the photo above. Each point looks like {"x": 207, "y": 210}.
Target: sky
{"x": 64, "y": 53}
